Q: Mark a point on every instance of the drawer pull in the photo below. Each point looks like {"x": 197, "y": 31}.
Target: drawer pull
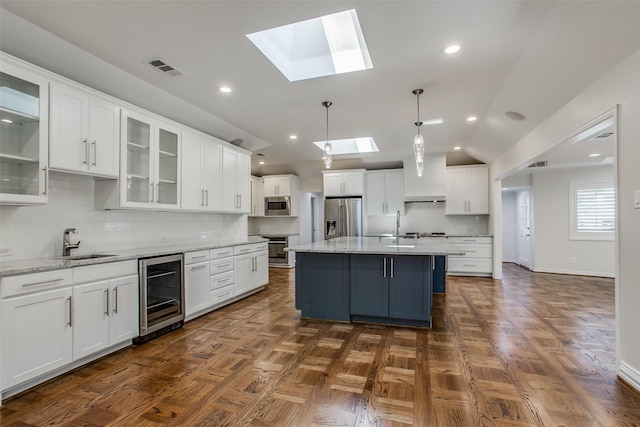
{"x": 198, "y": 267}
{"x": 199, "y": 256}
{"x": 224, "y": 253}
{"x": 224, "y": 280}
{"x": 223, "y": 266}
{"x": 224, "y": 295}
{"x": 44, "y": 282}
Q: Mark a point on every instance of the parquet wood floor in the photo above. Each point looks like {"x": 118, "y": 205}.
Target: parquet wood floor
{"x": 530, "y": 350}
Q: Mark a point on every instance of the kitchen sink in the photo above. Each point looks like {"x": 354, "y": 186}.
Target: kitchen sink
{"x": 81, "y": 257}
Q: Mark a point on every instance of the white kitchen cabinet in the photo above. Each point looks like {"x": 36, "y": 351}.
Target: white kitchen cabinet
{"x": 36, "y": 325}
{"x": 84, "y": 133}
{"x": 201, "y": 173}
{"x": 278, "y": 185}
{"x": 384, "y": 192}
{"x": 222, "y": 279}
{"x": 105, "y": 306}
{"x": 196, "y": 281}
{"x": 236, "y": 181}
{"x": 467, "y": 190}
{"x": 431, "y": 185}
{"x": 149, "y": 166}
{"x": 343, "y": 183}
{"x": 478, "y": 257}
{"x": 257, "y": 196}
{"x": 251, "y": 267}
{"x": 24, "y": 134}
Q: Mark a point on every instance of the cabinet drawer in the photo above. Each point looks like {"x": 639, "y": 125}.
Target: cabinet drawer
{"x": 220, "y": 265}
{"x": 92, "y": 273}
{"x": 462, "y": 240}
{"x": 252, "y": 247}
{"x": 26, "y": 283}
{"x": 257, "y": 247}
{"x": 470, "y": 265}
{"x": 221, "y": 252}
{"x": 220, "y": 295}
{"x": 196, "y": 256}
{"x": 476, "y": 251}
{"x": 221, "y": 280}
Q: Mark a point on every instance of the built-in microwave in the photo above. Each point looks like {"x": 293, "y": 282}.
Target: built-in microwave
{"x": 277, "y": 206}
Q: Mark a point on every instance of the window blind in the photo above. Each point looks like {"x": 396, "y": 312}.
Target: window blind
{"x": 595, "y": 210}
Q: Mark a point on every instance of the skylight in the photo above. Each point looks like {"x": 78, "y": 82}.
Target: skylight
{"x": 350, "y": 145}
{"x": 318, "y": 47}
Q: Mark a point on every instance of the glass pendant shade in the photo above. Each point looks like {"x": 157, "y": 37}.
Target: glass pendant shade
{"x": 418, "y": 146}
{"x": 418, "y": 140}
{"x": 419, "y": 166}
{"x": 327, "y": 155}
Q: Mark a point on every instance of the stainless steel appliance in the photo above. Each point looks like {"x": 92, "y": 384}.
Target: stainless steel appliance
{"x": 277, "y": 254}
{"x": 161, "y": 295}
{"x": 277, "y": 206}
{"x": 342, "y": 217}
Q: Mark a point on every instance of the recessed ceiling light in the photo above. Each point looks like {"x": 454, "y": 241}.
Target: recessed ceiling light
{"x": 472, "y": 118}
{"x": 451, "y": 49}
{"x": 261, "y": 162}
{"x": 293, "y": 137}
{"x": 225, "y": 89}
{"x": 350, "y": 145}
{"x": 457, "y": 148}
{"x": 594, "y": 155}
{"x": 318, "y": 47}
{"x": 6, "y": 121}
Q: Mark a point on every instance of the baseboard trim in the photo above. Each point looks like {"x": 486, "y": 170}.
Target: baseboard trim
{"x": 574, "y": 273}
{"x": 629, "y": 375}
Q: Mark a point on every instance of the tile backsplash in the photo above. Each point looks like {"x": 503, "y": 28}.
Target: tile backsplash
{"x": 36, "y": 231}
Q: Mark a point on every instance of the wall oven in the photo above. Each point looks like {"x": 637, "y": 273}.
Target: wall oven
{"x": 277, "y": 254}
{"x": 277, "y": 206}
{"x": 161, "y": 295}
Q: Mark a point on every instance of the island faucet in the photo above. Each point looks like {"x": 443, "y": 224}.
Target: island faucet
{"x": 66, "y": 243}
{"x": 398, "y": 224}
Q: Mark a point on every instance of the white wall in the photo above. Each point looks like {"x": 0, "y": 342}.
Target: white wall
{"x": 427, "y": 217}
{"x": 509, "y": 226}
{"x": 553, "y": 249}
{"x": 36, "y": 231}
{"x": 621, "y": 87}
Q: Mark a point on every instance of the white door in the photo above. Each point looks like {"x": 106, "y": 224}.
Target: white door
{"x": 261, "y": 269}
{"x": 243, "y": 273}
{"x": 104, "y": 138}
{"x": 524, "y": 228}
{"x": 212, "y": 175}
{"x": 124, "y": 309}
{"x": 90, "y": 318}
{"x": 394, "y": 197}
{"x": 196, "y": 287}
{"x": 192, "y": 194}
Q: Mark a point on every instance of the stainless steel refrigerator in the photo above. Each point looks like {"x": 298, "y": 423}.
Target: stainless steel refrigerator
{"x": 342, "y": 217}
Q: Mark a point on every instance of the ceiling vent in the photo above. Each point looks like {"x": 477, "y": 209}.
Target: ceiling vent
{"x": 602, "y": 135}
{"x": 162, "y": 66}
{"x": 538, "y": 164}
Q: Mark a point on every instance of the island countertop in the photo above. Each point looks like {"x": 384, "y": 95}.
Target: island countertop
{"x": 382, "y": 245}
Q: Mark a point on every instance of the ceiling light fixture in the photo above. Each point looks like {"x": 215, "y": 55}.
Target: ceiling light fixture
{"x": 594, "y": 155}
{"x": 293, "y": 137}
{"x": 472, "y": 118}
{"x": 451, "y": 49}
{"x": 225, "y": 89}
{"x": 327, "y": 155}
{"x": 418, "y": 140}
{"x": 457, "y": 148}
{"x": 6, "y": 121}
{"x": 261, "y": 162}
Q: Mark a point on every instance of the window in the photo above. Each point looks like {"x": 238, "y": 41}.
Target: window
{"x": 593, "y": 211}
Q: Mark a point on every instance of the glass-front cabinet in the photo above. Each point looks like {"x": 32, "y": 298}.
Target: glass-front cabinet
{"x": 150, "y": 166}
{"x": 23, "y": 135}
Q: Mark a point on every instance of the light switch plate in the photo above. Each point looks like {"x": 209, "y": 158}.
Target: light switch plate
{"x": 636, "y": 199}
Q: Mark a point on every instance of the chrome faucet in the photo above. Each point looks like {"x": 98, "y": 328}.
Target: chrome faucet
{"x": 66, "y": 243}
{"x": 398, "y": 225}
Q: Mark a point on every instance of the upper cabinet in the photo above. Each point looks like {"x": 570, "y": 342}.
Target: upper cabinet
{"x": 467, "y": 190}
{"x": 149, "y": 166}
{"x": 278, "y": 185}
{"x": 84, "y": 133}
{"x": 343, "y": 183}
{"x": 201, "y": 173}
{"x": 24, "y": 125}
{"x": 384, "y": 192}
{"x": 431, "y": 185}
{"x": 236, "y": 181}
{"x": 257, "y": 196}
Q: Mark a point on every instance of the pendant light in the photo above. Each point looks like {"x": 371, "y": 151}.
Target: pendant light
{"x": 327, "y": 151}
{"x": 418, "y": 140}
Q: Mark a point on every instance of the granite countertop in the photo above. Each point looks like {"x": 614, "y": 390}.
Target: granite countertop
{"x": 36, "y": 265}
{"x": 382, "y": 245}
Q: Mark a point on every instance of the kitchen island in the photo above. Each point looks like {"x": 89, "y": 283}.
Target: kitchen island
{"x": 369, "y": 279}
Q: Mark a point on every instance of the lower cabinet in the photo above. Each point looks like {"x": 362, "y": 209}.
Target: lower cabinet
{"x": 105, "y": 313}
{"x": 322, "y": 285}
{"x": 478, "y": 257}
{"x": 391, "y": 287}
{"x": 196, "y": 281}
{"x": 36, "y": 335}
{"x": 251, "y": 267}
